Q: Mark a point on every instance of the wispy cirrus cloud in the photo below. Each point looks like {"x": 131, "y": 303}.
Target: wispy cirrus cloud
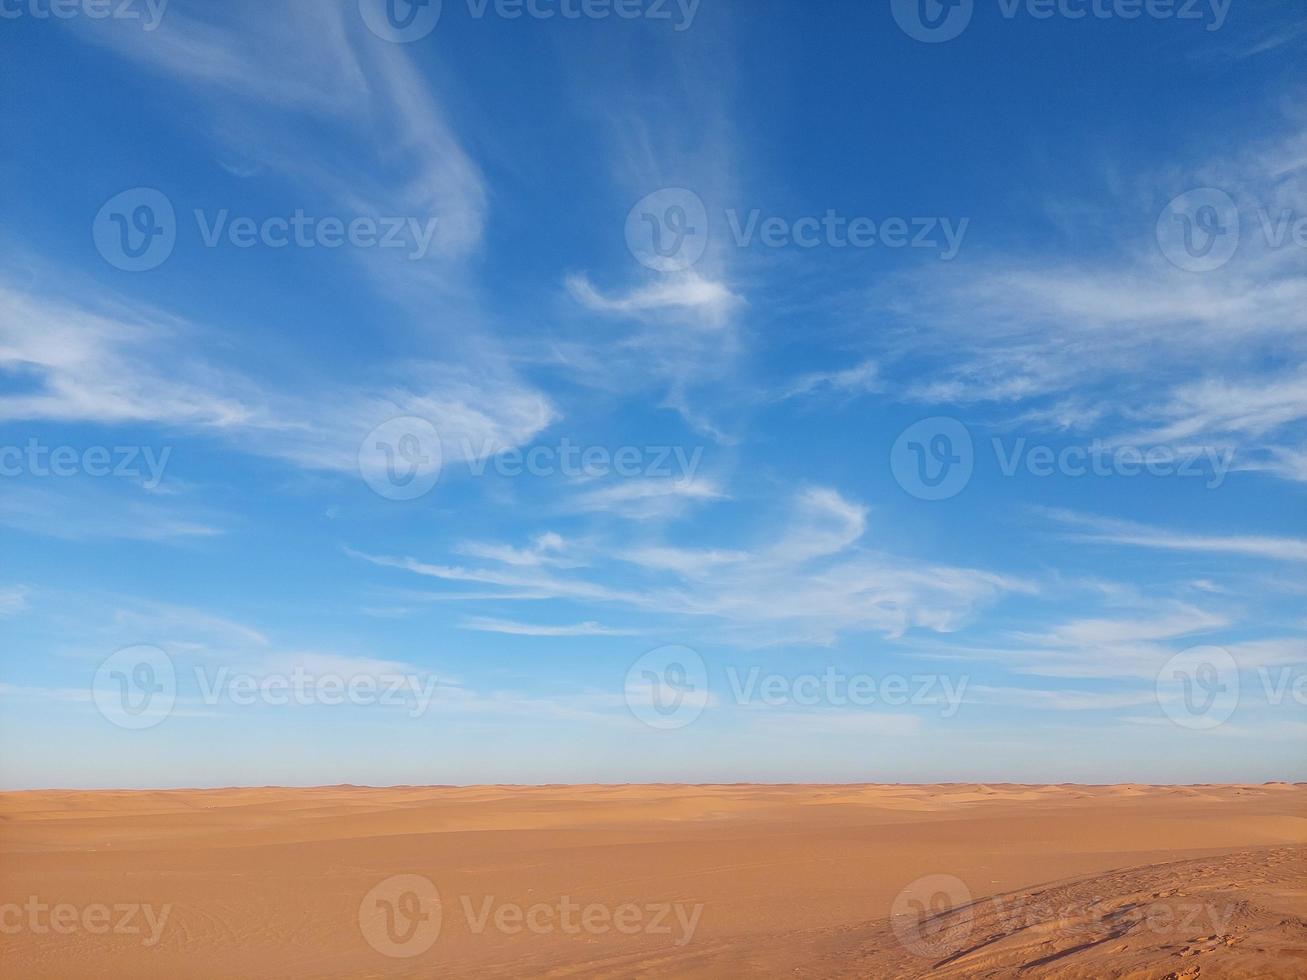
{"x": 545, "y": 549}
{"x": 710, "y": 301}
{"x": 99, "y": 362}
{"x": 1114, "y": 531}
{"x": 1125, "y": 342}
{"x": 278, "y": 78}
{"x": 199, "y": 626}
{"x": 95, "y": 511}
{"x": 1223, "y": 406}
{"x": 1171, "y": 620}
{"x": 1124, "y": 645}
{"x": 13, "y": 599}
{"x": 108, "y": 362}
{"x": 862, "y": 378}
{"x": 1061, "y": 699}
{"x": 674, "y": 333}
{"x": 489, "y": 624}
{"x": 646, "y": 498}
{"x": 808, "y": 582}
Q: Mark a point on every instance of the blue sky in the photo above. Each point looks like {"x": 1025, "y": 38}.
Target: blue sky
{"x": 570, "y": 368}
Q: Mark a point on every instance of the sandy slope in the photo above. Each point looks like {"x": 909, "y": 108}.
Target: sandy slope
{"x": 809, "y": 881}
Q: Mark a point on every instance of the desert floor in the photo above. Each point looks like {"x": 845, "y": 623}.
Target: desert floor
{"x": 651, "y": 881}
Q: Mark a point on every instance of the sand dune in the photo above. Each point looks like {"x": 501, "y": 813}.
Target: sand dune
{"x": 1237, "y": 915}
{"x": 615, "y": 881}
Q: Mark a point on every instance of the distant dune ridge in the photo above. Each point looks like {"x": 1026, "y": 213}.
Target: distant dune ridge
{"x": 955, "y": 880}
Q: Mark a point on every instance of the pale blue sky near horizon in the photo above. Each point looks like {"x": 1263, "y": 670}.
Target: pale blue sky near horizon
{"x": 632, "y": 389}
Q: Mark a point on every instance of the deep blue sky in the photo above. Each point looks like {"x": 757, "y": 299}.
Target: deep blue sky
{"x": 768, "y": 517}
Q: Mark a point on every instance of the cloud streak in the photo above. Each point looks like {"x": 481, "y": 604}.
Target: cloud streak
{"x": 809, "y": 582}
{"x": 1111, "y": 531}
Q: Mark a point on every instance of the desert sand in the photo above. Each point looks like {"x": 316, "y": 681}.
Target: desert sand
{"x": 655, "y": 881}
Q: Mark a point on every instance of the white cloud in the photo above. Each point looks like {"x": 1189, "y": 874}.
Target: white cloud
{"x": 488, "y": 624}
{"x": 686, "y": 292}
{"x": 521, "y": 584}
{"x": 675, "y": 336}
{"x": 109, "y": 366}
{"x": 646, "y": 498}
{"x": 13, "y": 600}
{"x": 1125, "y": 339}
{"x": 797, "y": 724}
{"x": 809, "y": 581}
{"x": 1112, "y": 531}
{"x": 546, "y": 549}
{"x": 1061, "y": 700}
{"x": 82, "y": 512}
{"x": 198, "y": 627}
{"x": 277, "y": 75}
{"x": 691, "y": 563}
{"x": 825, "y": 523}
{"x": 861, "y": 378}
{"x": 1173, "y": 620}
